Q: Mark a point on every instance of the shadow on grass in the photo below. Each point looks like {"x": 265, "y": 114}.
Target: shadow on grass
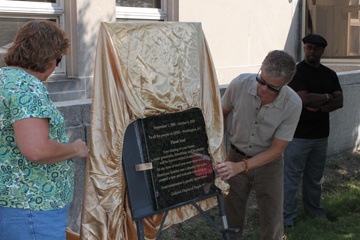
{"x": 341, "y": 200}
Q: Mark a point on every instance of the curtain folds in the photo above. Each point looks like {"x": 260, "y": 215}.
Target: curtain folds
{"x": 141, "y": 70}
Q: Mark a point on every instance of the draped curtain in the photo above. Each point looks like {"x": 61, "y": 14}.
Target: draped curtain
{"x": 141, "y": 70}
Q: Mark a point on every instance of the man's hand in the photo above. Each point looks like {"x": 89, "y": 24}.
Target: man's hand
{"x": 227, "y": 170}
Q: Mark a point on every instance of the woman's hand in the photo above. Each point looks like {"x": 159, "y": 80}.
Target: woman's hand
{"x": 81, "y": 150}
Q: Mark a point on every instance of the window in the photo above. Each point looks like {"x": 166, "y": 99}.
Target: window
{"x": 13, "y": 14}
{"x": 338, "y": 21}
{"x": 136, "y": 3}
{"x": 141, "y": 10}
{"x": 51, "y": 1}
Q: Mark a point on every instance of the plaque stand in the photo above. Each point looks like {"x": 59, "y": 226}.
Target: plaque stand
{"x": 167, "y": 165}
{"x": 223, "y": 229}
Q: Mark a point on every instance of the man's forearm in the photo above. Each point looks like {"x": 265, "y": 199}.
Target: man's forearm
{"x": 336, "y": 103}
{"x": 316, "y": 100}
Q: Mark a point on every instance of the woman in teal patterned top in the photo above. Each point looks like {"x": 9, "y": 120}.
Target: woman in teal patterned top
{"x": 36, "y": 166}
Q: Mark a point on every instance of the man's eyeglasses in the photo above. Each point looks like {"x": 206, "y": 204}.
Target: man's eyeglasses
{"x": 271, "y": 87}
{"x": 58, "y": 60}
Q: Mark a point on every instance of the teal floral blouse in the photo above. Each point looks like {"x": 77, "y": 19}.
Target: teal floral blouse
{"x": 24, "y": 184}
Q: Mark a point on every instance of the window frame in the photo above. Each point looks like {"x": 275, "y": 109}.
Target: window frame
{"x": 36, "y": 10}
{"x": 139, "y": 13}
{"x": 31, "y": 8}
{"x": 333, "y": 61}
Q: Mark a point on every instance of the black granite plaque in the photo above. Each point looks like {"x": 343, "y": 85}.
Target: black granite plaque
{"x": 177, "y": 146}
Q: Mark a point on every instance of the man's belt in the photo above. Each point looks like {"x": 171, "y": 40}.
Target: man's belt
{"x": 238, "y": 151}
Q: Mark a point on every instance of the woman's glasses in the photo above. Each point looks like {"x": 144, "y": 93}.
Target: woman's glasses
{"x": 263, "y": 82}
{"x": 58, "y": 60}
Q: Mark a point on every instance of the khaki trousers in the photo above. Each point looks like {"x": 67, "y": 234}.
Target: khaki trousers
{"x": 268, "y": 183}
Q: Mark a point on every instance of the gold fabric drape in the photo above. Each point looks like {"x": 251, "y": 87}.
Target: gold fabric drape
{"x": 142, "y": 70}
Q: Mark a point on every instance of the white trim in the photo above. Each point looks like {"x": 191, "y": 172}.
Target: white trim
{"x": 140, "y": 13}
{"x": 302, "y": 34}
{"x": 239, "y": 66}
{"x": 143, "y": 13}
{"x": 70, "y": 27}
{"x": 36, "y": 10}
{"x": 345, "y": 61}
{"x": 350, "y": 61}
{"x": 31, "y": 8}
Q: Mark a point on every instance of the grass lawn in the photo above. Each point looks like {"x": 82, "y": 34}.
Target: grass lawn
{"x": 341, "y": 200}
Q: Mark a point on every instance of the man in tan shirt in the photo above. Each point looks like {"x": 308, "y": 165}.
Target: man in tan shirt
{"x": 265, "y": 112}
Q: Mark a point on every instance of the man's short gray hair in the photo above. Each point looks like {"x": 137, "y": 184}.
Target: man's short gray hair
{"x": 279, "y": 63}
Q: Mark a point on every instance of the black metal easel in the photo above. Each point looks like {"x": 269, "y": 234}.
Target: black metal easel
{"x": 223, "y": 229}
{"x": 141, "y": 193}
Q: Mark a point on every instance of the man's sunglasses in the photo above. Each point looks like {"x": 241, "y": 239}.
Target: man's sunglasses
{"x": 263, "y": 82}
{"x": 58, "y": 60}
